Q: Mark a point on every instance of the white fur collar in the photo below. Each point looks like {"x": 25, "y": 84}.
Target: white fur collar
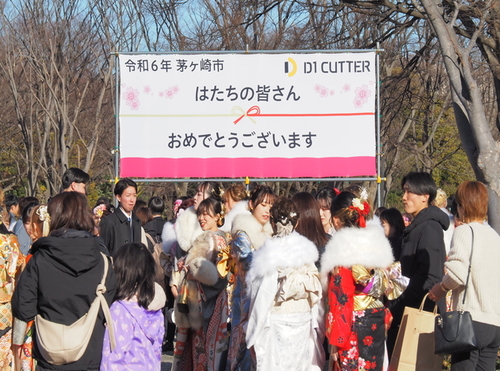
{"x": 240, "y": 208}
{"x": 292, "y": 251}
{"x": 365, "y": 246}
{"x": 168, "y": 237}
{"x": 257, "y": 232}
{"x": 187, "y": 228}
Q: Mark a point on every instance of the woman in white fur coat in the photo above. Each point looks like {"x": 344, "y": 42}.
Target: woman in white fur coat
{"x": 285, "y": 293}
{"x": 178, "y": 238}
{"x": 202, "y": 336}
{"x": 353, "y": 265}
{"x": 249, "y": 232}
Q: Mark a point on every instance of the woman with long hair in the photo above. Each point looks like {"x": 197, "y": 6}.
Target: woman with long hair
{"x": 353, "y": 265}
{"x": 249, "y": 231}
{"x": 310, "y": 225}
{"x": 60, "y": 280}
{"x": 393, "y": 224}
{"x": 325, "y": 197}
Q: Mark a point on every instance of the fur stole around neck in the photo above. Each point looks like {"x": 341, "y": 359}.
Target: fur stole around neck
{"x": 240, "y": 208}
{"x": 187, "y": 228}
{"x": 292, "y": 251}
{"x": 257, "y": 232}
{"x": 364, "y": 246}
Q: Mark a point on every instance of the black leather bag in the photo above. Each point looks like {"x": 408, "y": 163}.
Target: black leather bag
{"x": 454, "y": 331}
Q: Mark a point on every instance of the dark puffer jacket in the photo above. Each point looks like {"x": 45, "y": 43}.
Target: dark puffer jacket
{"x": 59, "y": 283}
{"x": 422, "y": 258}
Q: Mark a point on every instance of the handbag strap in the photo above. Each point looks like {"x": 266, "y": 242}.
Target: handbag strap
{"x": 470, "y": 265}
{"x": 101, "y": 289}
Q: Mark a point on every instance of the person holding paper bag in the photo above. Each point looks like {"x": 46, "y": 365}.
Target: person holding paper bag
{"x": 482, "y": 300}
{"x": 422, "y": 250}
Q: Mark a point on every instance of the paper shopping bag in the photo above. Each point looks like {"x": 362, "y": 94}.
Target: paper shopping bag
{"x": 414, "y": 348}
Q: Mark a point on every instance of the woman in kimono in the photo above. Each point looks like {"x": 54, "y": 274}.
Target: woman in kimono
{"x": 249, "y": 232}
{"x": 285, "y": 292}
{"x": 11, "y": 265}
{"x": 202, "y": 336}
{"x": 353, "y": 265}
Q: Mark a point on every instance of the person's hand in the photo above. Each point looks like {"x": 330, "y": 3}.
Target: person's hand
{"x": 180, "y": 264}
{"x": 174, "y": 290}
{"x": 17, "y": 351}
{"x": 334, "y": 353}
{"x": 437, "y": 292}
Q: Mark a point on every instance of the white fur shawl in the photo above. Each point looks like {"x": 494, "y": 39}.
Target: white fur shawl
{"x": 292, "y": 251}
{"x": 187, "y": 228}
{"x": 257, "y": 232}
{"x": 240, "y": 208}
{"x": 168, "y": 237}
{"x": 200, "y": 258}
{"x": 364, "y": 246}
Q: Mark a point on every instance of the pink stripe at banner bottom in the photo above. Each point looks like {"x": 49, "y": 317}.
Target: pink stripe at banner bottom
{"x": 251, "y": 167}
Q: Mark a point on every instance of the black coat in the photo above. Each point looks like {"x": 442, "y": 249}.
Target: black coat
{"x": 155, "y": 227}
{"x": 422, "y": 258}
{"x": 59, "y": 283}
{"x": 115, "y": 230}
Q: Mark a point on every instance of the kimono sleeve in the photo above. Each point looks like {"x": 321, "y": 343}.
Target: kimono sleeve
{"x": 340, "y": 307}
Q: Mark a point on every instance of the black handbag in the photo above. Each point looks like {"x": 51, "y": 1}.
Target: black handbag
{"x": 454, "y": 331}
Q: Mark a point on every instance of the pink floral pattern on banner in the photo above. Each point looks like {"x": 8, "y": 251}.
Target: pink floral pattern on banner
{"x": 361, "y": 95}
{"x": 131, "y": 98}
{"x": 170, "y": 92}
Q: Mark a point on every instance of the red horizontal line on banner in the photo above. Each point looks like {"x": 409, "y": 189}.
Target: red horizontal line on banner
{"x": 314, "y": 114}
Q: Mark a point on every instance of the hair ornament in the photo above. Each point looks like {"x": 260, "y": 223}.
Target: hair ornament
{"x": 177, "y": 204}
{"x": 357, "y": 203}
{"x": 364, "y": 194}
{"x": 44, "y": 216}
{"x": 99, "y": 210}
{"x": 336, "y": 191}
{"x": 283, "y": 229}
{"x": 362, "y": 208}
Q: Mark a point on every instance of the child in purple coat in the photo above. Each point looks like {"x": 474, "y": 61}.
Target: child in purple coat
{"x": 136, "y": 313}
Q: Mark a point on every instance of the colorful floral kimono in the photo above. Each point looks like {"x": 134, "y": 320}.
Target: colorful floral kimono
{"x": 356, "y": 319}
{"x": 355, "y": 322}
{"x": 23, "y": 336}
{"x": 11, "y": 264}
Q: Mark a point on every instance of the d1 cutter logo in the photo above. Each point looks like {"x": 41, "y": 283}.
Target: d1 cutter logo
{"x": 290, "y": 67}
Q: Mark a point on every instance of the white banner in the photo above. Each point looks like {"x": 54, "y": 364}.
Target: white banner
{"x": 259, "y": 115}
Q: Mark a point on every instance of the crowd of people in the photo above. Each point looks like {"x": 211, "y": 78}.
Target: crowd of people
{"x": 242, "y": 279}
